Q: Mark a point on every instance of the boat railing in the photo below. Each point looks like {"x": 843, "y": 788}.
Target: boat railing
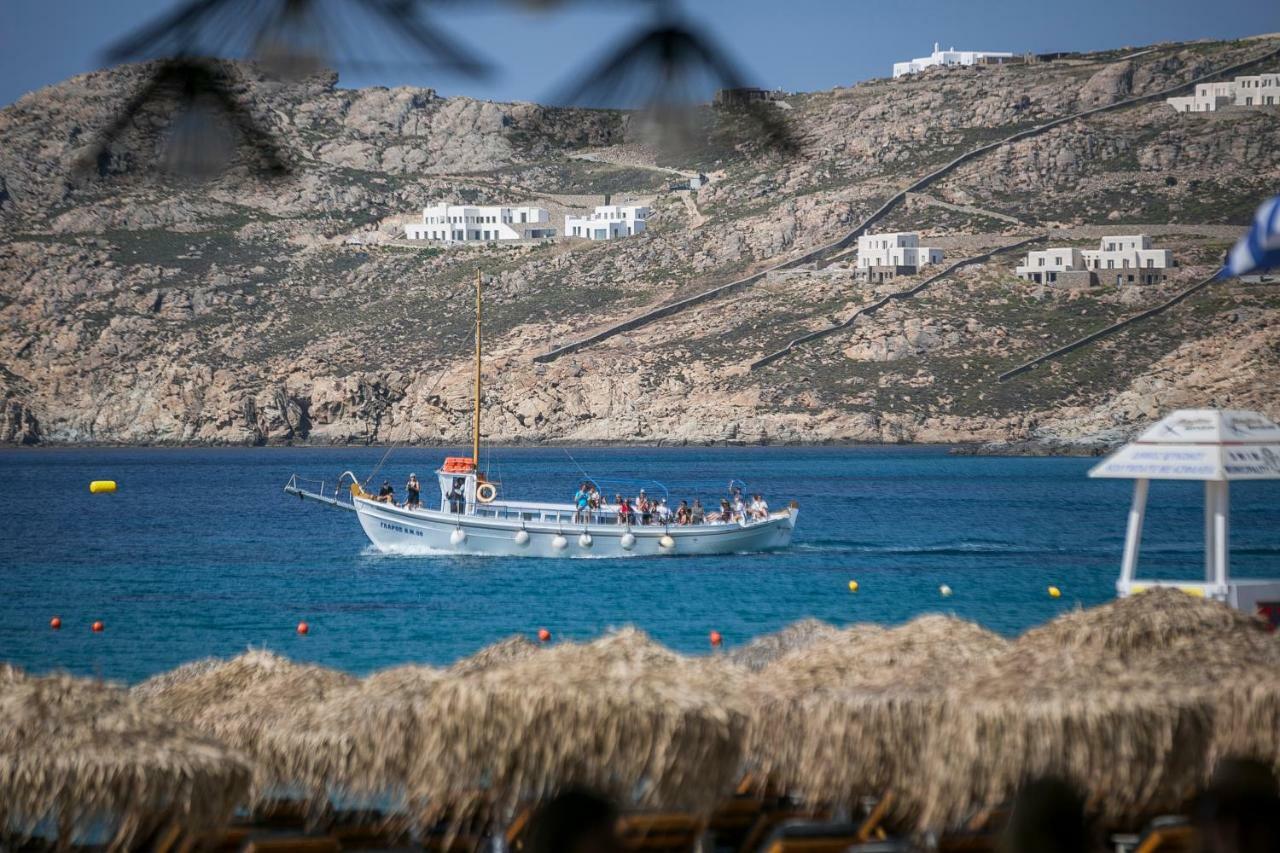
{"x": 330, "y": 492}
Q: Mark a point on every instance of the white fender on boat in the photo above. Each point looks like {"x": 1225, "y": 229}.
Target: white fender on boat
{"x": 559, "y": 542}
{"x": 458, "y": 536}
{"x": 522, "y": 537}
{"x": 666, "y": 541}
{"x": 628, "y": 541}
{"x": 585, "y": 540}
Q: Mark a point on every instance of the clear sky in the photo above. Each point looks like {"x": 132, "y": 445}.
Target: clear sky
{"x": 793, "y": 44}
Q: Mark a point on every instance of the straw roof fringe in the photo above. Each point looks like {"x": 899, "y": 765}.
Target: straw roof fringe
{"x": 622, "y": 714}
{"x": 243, "y": 700}
{"x": 765, "y": 649}
{"x": 1140, "y": 624}
{"x": 80, "y": 756}
{"x": 854, "y": 715}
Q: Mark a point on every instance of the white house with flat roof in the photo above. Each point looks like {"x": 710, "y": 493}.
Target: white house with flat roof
{"x": 948, "y": 57}
{"x": 1255, "y": 90}
{"x": 1128, "y": 259}
{"x": 458, "y": 223}
{"x": 608, "y": 221}
{"x": 1047, "y": 266}
{"x": 885, "y": 256}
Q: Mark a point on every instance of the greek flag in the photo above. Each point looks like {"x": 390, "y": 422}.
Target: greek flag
{"x": 1259, "y": 249}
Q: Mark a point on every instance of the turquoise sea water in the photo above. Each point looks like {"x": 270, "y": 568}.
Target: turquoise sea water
{"x": 201, "y": 553}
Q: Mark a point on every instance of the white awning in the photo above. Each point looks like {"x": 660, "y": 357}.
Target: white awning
{"x": 1200, "y": 444}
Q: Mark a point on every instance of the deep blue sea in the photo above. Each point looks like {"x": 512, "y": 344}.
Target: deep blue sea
{"x": 201, "y": 553}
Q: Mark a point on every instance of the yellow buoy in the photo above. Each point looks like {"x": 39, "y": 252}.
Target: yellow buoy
{"x": 102, "y": 487}
{"x": 1054, "y": 592}
{"x": 853, "y": 586}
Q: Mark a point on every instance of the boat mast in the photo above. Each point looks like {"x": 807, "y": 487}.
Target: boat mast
{"x": 475, "y": 418}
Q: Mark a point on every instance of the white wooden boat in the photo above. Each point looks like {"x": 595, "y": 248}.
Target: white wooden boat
{"x": 473, "y": 517}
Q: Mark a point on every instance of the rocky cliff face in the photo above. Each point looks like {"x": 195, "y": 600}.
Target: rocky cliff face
{"x": 140, "y": 309}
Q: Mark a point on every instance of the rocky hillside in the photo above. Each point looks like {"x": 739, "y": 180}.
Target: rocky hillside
{"x": 142, "y": 309}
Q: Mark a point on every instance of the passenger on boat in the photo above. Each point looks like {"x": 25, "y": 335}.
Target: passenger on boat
{"x": 683, "y": 516}
{"x": 662, "y": 512}
{"x": 625, "y": 515}
{"x": 457, "y": 495}
{"x": 725, "y": 514}
{"x": 697, "y": 515}
{"x": 644, "y": 508}
{"x": 386, "y": 494}
{"x": 414, "y": 492}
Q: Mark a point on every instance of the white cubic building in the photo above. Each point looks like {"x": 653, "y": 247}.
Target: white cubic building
{"x": 1055, "y": 266}
{"x": 1129, "y": 259}
{"x": 456, "y": 223}
{"x": 1117, "y": 260}
{"x": 885, "y": 256}
{"x": 949, "y": 57}
{"x": 608, "y": 221}
{"x": 1256, "y": 90}
{"x": 1208, "y": 98}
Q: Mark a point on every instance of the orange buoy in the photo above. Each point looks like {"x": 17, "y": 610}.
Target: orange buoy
{"x": 98, "y": 627}
{"x": 55, "y": 623}
{"x": 716, "y": 639}
{"x": 303, "y": 627}
{"x": 544, "y": 636}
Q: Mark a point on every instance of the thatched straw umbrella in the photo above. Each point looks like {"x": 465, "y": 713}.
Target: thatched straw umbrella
{"x": 85, "y": 757}
{"x": 243, "y": 701}
{"x": 765, "y": 649}
{"x": 622, "y": 714}
{"x": 1133, "y": 701}
{"x": 355, "y": 742}
{"x": 851, "y": 716}
{"x": 1132, "y": 745}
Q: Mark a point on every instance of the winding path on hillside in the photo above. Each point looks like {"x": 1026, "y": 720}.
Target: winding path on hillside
{"x": 849, "y": 237}
{"x": 1108, "y": 330}
{"x": 868, "y": 310}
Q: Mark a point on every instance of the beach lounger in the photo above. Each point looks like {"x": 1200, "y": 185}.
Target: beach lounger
{"x": 1169, "y": 834}
{"x": 370, "y": 830}
{"x": 771, "y": 818}
{"x": 292, "y": 844}
{"x": 802, "y": 836}
{"x": 733, "y": 821}
{"x": 660, "y": 832}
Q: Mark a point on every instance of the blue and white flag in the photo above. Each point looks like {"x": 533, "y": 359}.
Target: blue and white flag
{"x": 1259, "y": 249}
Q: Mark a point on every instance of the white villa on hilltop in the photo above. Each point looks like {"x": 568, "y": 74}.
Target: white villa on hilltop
{"x": 608, "y": 221}
{"x": 949, "y": 57}
{"x": 456, "y": 223}
{"x": 1127, "y": 259}
{"x": 885, "y": 256}
{"x": 1256, "y": 90}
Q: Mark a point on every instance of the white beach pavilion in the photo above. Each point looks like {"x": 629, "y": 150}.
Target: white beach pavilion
{"x": 1216, "y": 447}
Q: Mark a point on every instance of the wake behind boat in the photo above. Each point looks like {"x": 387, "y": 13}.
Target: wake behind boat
{"x": 472, "y": 518}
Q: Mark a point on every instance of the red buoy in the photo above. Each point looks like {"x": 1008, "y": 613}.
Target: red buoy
{"x": 98, "y": 627}
{"x": 55, "y": 623}
{"x": 716, "y": 639}
{"x": 544, "y": 636}
{"x": 303, "y": 627}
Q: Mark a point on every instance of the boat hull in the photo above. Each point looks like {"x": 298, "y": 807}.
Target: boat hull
{"x": 394, "y": 529}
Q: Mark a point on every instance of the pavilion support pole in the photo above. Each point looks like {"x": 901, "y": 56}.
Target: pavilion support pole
{"x": 1133, "y": 535}
{"x": 1210, "y": 501}
{"x": 1221, "y": 542}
